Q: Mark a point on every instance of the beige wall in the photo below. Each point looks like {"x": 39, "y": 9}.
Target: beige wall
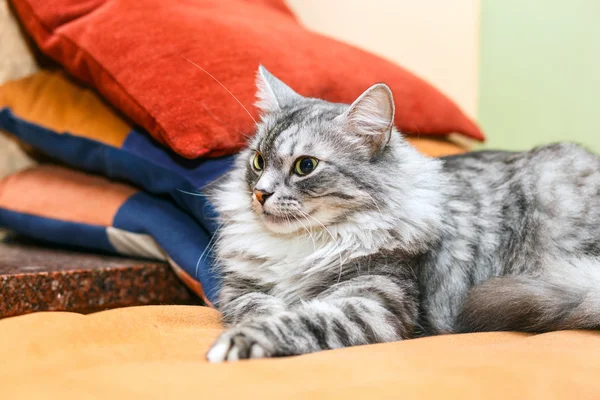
{"x": 15, "y": 62}
{"x": 436, "y": 39}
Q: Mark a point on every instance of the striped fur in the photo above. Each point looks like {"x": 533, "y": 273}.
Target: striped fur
{"x": 380, "y": 243}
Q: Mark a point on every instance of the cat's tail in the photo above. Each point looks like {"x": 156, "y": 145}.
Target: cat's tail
{"x": 565, "y": 296}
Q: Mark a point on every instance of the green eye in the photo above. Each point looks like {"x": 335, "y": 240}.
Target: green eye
{"x": 305, "y": 165}
{"x": 258, "y": 163}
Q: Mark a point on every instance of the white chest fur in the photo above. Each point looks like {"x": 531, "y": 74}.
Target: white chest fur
{"x": 287, "y": 262}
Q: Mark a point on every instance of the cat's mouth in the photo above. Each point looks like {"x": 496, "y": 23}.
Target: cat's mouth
{"x": 274, "y": 218}
{"x": 280, "y": 223}
{"x": 286, "y": 220}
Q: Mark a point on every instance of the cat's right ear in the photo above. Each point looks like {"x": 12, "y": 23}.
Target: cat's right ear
{"x": 371, "y": 117}
{"x": 272, "y": 93}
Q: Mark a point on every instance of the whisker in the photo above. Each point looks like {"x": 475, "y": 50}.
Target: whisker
{"x": 191, "y": 193}
{"x": 288, "y": 224}
{"x": 307, "y": 231}
{"x": 212, "y": 242}
{"x": 332, "y": 238}
{"x": 223, "y": 86}
{"x": 216, "y": 118}
{"x": 374, "y": 202}
{"x": 310, "y": 235}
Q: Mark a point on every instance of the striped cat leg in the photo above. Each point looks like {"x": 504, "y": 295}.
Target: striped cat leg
{"x": 363, "y": 310}
{"x": 250, "y": 305}
{"x": 244, "y": 298}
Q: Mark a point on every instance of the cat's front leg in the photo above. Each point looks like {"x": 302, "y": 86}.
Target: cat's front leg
{"x": 313, "y": 328}
{"x": 249, "y": 306}
{"x": 243, "y": 298}
{"x": 363, "y": 310}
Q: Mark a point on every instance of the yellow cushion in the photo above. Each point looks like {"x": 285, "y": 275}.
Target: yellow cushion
{"x": 51, "y": 100}
{"x": 158, "y": 352}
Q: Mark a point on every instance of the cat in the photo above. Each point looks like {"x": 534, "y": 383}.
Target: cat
{"x": 335, "y": 232}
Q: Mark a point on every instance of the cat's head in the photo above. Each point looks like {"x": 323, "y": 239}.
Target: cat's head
{"x": 315, "y": 163}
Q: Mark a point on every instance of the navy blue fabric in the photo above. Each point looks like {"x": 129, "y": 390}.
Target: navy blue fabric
{"x": 199, "y": 171}
{"x": 196, "y": 173}
{"x": 84, "y": 236}
{"x": 141, "y": 161}
{"x": 182, "y": 238}
{"x": 146, "y": 164}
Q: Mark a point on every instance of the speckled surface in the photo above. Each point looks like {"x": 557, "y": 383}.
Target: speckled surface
{"x": 34, "y": 277}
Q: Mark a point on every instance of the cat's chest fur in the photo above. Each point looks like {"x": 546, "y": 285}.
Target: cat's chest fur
{"x": 292, "y": 266}
{"x": 282, "y": 265}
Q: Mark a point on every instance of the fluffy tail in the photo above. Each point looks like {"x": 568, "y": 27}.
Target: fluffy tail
{"x": 568, "y": 297}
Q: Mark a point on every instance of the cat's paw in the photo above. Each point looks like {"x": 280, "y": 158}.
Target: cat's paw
{"x": 239, "y": 344}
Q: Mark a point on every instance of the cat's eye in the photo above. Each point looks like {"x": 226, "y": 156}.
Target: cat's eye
{"x": 259, "y": 162}
{"x": 305, "y": 165}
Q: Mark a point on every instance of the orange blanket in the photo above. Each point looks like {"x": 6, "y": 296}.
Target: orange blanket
{"x": 158, "y": 353}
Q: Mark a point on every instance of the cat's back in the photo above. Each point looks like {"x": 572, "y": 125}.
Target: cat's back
{"x": 560, "y": 164}
{"x": 547, "y": 198}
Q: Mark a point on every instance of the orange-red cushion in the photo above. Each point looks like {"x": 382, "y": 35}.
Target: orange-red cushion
{"x": 133, "y": 52}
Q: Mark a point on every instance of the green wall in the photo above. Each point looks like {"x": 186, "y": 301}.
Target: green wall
{"x": 540, "y": 72}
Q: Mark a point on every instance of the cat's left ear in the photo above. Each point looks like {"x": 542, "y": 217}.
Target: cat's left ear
{"x": 371, "y": 117}
{"x": 272, "y": 93}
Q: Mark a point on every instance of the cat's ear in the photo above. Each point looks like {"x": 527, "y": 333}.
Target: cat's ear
{"x": 272, "y": 93}
{"x": 371, "y": 116}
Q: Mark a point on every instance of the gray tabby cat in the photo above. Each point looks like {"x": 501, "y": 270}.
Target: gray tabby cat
{"x": 335, "y": 233}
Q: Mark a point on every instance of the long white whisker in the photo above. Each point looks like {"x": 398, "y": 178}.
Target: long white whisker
{"x": 223, "y": 86}
{"x": 191, "y": 193}
{"x": 310, "y": 235}
{"x": 334, "y": 241}
{"x": 374, "y": 202}
{"x": 216, "y": 118}
{"x": 212, "y": 242}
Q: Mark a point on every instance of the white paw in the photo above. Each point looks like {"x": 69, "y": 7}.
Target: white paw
{"x": 256, "y": 351}
{"x": 235, "y": 345}
{"x": 218, "y": 353}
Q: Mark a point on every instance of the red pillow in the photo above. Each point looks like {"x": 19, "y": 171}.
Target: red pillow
{"x": 133, "y": 53}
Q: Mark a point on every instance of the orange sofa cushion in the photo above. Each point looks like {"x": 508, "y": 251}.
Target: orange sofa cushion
{"x": 135, "y": 54}
{"x": 157, "y": 352}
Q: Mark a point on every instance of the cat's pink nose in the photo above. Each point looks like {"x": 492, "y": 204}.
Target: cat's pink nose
{"x": 261, "y": 196}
